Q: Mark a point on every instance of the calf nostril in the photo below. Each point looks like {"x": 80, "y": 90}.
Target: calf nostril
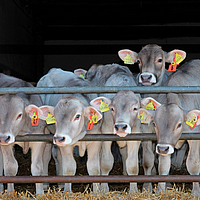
{"x": 7, "y": 139}
{"x": 149, "y": 78}
{"x": 167, "y": 149}
{"x": 59, "y": 139}
{"x": 124, "y": 127}
{"x": 116, "y": 128}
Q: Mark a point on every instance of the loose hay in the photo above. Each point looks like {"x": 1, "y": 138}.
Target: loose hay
{"x": 175, "y": 193}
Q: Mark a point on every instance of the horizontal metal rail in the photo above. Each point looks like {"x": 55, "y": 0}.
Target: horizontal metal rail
{"x": 105, "y": 137}
{"x": 99, "y": 179}
{"x": 105, "y": 89}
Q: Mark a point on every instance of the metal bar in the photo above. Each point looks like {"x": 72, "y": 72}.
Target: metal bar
{"x": 105, "y": 137}
{"x": 106, "y": 89}
{"x": 99, "y": 179}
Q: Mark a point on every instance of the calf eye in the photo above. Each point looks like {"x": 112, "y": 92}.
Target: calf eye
{"x": 19, "y": 116}
{"x": 160, "y": 60}
{"x": 134, "y": 109}
{"x": 112, "y": 109}
{"x": 77, "y": 117}
{"x": 138, "y": 61}
{"x": 179, "y": 125}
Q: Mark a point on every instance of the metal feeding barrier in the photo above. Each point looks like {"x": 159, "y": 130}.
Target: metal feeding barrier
{"x": 101, "y": 137}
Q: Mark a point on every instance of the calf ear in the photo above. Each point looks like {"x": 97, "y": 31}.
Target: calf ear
{"x": 78, "y": 72}
{"x": 123, "y": 53}
{"x": 31, "y": 108}
{"x": 193, "y": 113}
{"x": 148, "y": 101}
{"x": 145, "y": 116}
{"x": 171, "y": 55}
{"x": 97, "y": 102}
{"x": 89, "y": 111}
{"x": 46, "y": 110}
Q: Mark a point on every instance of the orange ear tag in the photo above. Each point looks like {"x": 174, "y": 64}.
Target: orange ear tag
{"x": 176, "y": 61}
{"x": 35, "y": 119}
{"x": 90, "y": 124}
{"x": 172, "y": 66}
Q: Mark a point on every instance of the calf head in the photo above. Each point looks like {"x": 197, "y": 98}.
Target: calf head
{"x": 124, "y": 109}
{"x": 13, "y": 115}
{"x": 168, "y": 120}
{"x": 151, "y": 60}
{"x": 71, "y": 117}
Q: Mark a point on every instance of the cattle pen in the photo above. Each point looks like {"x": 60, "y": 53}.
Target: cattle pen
{"x": 101, "y": 137}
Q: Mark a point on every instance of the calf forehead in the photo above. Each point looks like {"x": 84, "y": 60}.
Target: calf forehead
{"x": 169, "y": 114}
{"x": 68, "y": 106}
{"x": 11, "y": 104}
{"x": 150, "y": 51}
{"x": 125, "y": 99}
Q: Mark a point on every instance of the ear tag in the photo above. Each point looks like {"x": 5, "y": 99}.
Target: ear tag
{"x": 128, "y": 59}
{"x": 193, "y": 122}
{"x": 50, "y": 119}
{"x": 150, "y": 106}
{"x": 103, "y": 106}
{"x": 176, "y": 61}
{"x": 81, "y": 75}
{"x": 35, "y": 119}
{"x": 90, "y": 124}
{"x": 94, "y": 118}
{"x": 141, "y": 116}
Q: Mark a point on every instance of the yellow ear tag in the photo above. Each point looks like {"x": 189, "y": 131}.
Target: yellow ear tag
{"x": 141, "y": 116}
{"x": 81, "y": 75}
{"x": 94, "y": 117}
{"x": 103, "y": 106}
{"x": 128, "y": 59}
{"x": 50, "y": 119}
{"x": 178, "y": 58}
{"x": 193, "y": 122}
{"x": 150, "y": 106}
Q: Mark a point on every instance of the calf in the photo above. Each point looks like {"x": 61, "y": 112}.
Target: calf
{"x": 16, "y": 112}
{"x": 73, "y": 117}
{"x": 115, "y": 75}
{"x": 169, "y": 120}
{"x": 151, "y": 60}
{"x": 124, "y": 110}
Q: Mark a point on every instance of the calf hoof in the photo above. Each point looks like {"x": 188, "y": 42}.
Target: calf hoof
{"x": 195, "y": 193}
{"x": 147, "y": 187}
{"x": 104, "y": 187}
{"x": 133, "y": 188}
{"x": 1, "y": 188}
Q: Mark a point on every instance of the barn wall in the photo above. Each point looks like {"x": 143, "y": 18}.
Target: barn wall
{"x": 17, "y": 27}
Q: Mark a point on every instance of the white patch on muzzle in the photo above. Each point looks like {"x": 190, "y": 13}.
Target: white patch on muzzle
{"x": 153, "y": 79}
{"x": 68, "y": 140}
{"x": 11, "y": 139}
{"x": 124, "y": 133}
{"x": 170, "y": 149}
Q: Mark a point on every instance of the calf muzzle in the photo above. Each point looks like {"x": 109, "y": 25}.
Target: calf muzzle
{"x": 62, "y": 140}
{"x": 164, "y": 149}
{"x": 4, "y": 139}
